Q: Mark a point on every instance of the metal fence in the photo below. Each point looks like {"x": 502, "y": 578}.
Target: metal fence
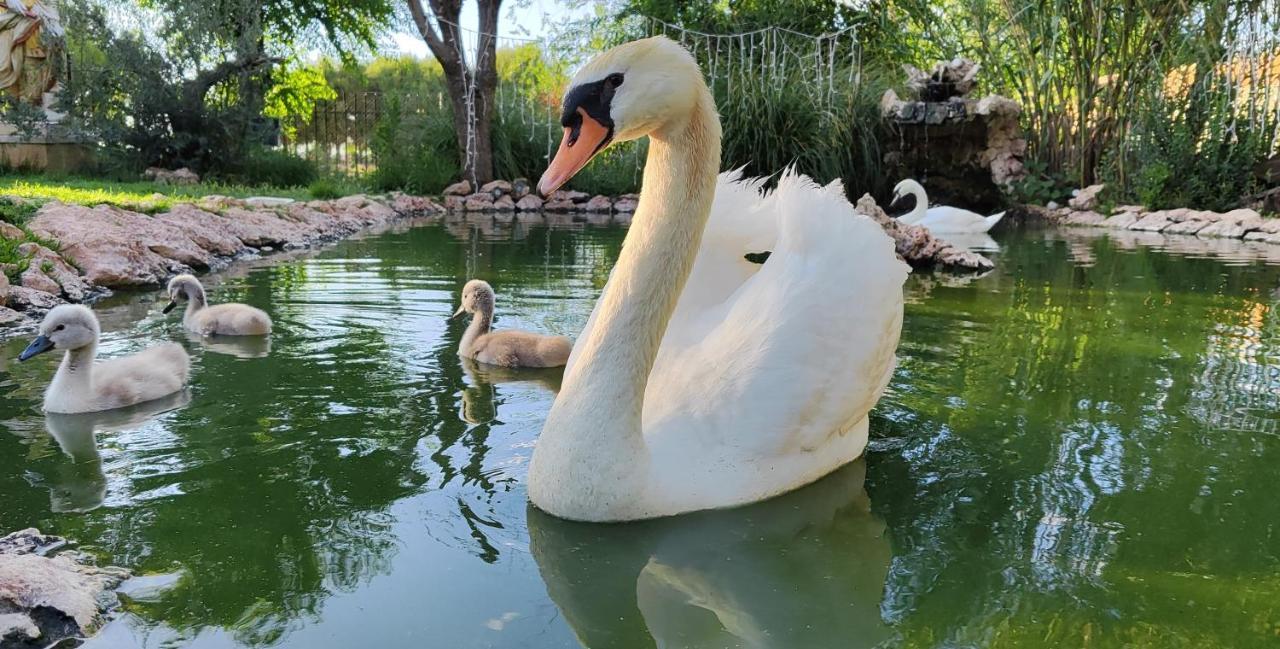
{"x": 339, "y": 136}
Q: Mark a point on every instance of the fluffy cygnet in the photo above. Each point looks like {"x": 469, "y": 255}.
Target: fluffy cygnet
{"x": 219, "y": 320}
{"x": 507, "y": 347}
{"x": 81, "y": 385}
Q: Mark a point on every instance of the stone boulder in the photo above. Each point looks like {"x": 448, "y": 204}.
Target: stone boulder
{"x": 504, "y": 204}
{"x": 31, "y": 301}
{"x": 417, "y": 205}
{"x": 11, "y": 231}
{"x": 1083, "y": 218}
{"x": 115, "y": 247}
{"x": 626, "y": 203}
{"x": 258, "y": 229}
{"x": 4, "y": 289}
{"x": 599, "y": 204}
{"x": 520, "y": 188}
{"x": 1120, "y": 220}
{"x": 454, "y": 203}
{"x": 204, "y": 228}
{"x": 495, "y": 188}
{"x": 33, "y": 277}
{"x": 48, "y": 598}
{"x": 1153, "y": 222}
{"x": 182, "y": 176}
{"x": 559, "y": 205}
{"x": 268, "y": 201}
{"x": 918, "y": 247}
{"x": 48, "y": 272}
{"x": 529, "y": 203}
{"x": 217, "y": 202}
{"x": 460, "y": 188}
{"x": 1086, "y": 200}
{"x": 1230, "y": 228}
{"x": 479, "y": 203}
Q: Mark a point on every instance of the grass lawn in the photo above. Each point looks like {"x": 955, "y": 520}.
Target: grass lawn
{"x": 83, "y": 191}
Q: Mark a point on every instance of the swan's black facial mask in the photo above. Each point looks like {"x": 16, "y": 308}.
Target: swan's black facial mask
{"x": 588, "y": 128}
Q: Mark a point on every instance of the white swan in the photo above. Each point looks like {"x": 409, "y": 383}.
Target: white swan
{"x": 941, "y": 219}
{"x": 80, "y": 385}
{"x": 703, "y": 380}
{"x": 232, "y": 319}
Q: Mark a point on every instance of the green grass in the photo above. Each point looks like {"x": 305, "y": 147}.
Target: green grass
{"x": 149, "y": 196}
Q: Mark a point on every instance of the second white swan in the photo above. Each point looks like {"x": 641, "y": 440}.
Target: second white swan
{"x": 702, "y": 379}
{"x": 941, "y": 219}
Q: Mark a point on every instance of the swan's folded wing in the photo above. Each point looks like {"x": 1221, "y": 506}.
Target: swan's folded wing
{"x": 799, "y": 351}
{"x": 741, "y": 221}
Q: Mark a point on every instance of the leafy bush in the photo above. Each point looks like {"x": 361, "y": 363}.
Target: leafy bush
{"x": 261, "y": 166}
{"x": 1039, "y": 187}
{"x": 1196, "y": 149}
{"x": 325, "y": 189}
{"x": 415, "y": 150}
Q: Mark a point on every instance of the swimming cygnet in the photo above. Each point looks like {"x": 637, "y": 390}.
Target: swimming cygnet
{"x": 506, "y": 348}
{"x": 81, "y": 385}
{"x": 219, "y": 320}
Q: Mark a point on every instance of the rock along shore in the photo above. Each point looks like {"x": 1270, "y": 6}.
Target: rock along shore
{"x": 47, "y": 594}
{"x": 105, "y": 247}
{"x": 1243, "y": 223}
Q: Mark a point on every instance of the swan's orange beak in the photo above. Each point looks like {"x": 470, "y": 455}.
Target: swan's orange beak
{"x": 581, "y": 142}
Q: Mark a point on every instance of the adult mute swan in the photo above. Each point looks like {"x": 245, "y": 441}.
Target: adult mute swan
{"x": 702, "y": 380}
{"x": 941, "y": 219}
{"x": 81, "y": 385}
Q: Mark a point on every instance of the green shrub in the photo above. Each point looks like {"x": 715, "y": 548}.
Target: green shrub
{"x": 262, "y": 166}
{"x": 325, "y": 189}
{"x": 1195, "y": 151}
{"x": 1039, "y": 187}
{"x": 15, "y": 212}
{"x": 414, "y": 148}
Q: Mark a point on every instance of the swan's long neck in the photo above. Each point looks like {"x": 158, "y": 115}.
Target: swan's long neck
{"x": 195, "y": 302}
{"x": 480, "y": 325}
{"x": 74, "y": 378}
{"x": 922, "y": 205}
{"x": 593, "y": 433}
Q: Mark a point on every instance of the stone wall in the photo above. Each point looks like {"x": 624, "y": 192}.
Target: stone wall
{"x": 1085, "y": 210}
{"x": 504, "y": 198}
{"x": 966, "y": 152}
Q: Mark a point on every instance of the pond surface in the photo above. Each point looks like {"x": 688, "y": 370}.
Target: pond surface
{"x": 1078, "y": 449}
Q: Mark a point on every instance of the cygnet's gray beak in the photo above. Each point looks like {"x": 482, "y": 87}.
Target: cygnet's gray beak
{"x": 461, "y": 310}
{"x": 169, "y": 307}
{"x": 40, "y": 345}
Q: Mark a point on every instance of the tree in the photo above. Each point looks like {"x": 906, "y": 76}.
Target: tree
{"x": 190, "y": 89}
{"x": 471, "y": 90}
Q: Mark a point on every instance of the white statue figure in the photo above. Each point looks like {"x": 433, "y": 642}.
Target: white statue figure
{"x": 30, "y": 48}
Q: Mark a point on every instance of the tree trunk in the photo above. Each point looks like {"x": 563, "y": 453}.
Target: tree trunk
{"x": 471, "y": 91}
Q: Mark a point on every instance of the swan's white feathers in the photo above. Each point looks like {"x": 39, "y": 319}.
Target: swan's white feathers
{"x": 944, "y": 219}
{"x": 801, "y": 346}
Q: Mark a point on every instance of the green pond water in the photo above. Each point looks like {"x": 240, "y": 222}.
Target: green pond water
{"x": 1078, "y": 449}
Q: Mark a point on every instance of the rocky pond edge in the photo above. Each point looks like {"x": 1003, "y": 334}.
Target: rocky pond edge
{"x": 78, "y": 253}
{"x": 1085, "y": 210}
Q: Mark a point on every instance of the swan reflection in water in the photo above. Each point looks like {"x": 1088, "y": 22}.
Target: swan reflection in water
{"x": 237, "y": 346}
{"x": 479, "y": 399}
{"x": 806, "y": 569}
{"x": 81, "y": 485}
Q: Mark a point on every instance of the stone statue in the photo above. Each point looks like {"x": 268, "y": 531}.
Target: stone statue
{"x": 31, "y": 44}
